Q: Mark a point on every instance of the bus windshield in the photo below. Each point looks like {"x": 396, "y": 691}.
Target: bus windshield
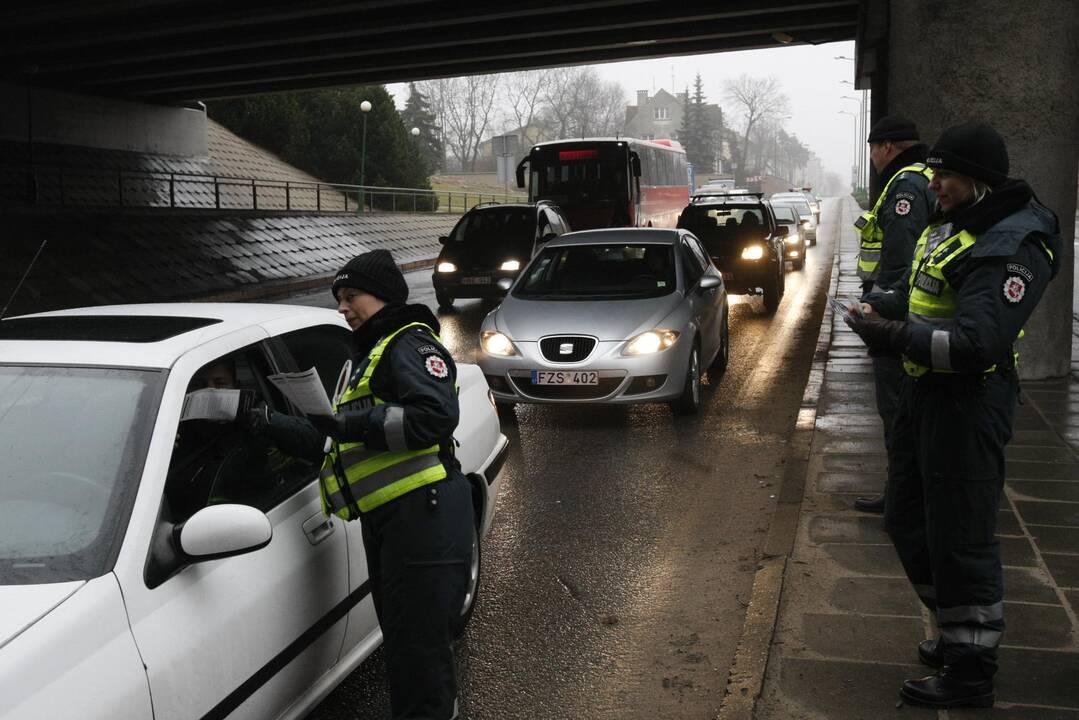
{"x": 590, "y": 176}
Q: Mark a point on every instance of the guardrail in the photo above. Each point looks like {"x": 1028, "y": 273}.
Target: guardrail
{"x": 72, "y": 187}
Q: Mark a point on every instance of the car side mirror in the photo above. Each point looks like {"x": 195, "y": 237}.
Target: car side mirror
{"x": 708, "y": 282}
{"x": 504, "y": 284}
{"x": 442, "y": 240}
{"x": 221, "y": 531}
{"x": 521, "y": 173}
{"x": 782, "y": 231}
{"x": 548, "y": 236}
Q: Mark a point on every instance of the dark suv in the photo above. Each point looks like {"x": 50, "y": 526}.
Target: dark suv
{"x": 490, "y": 242}
{"x": 741, "y": 234}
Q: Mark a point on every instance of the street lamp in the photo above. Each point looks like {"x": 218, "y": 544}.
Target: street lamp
{"x": 365, "y": 107}
{"x": 860, "y": 129}
{"x": 415, "y": 132}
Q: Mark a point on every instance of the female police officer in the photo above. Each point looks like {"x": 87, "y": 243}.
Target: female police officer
{"x": 390, "y": 463}
{"x": 979, "y": 270}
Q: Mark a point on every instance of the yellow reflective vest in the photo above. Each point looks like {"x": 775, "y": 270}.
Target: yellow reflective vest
{"x": 932, "y": 299}
{"x": 872, "y": 234}
{"x": 356, "y": 479}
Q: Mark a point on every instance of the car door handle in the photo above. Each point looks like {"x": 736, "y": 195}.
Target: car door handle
{"x": 317, "y": 528}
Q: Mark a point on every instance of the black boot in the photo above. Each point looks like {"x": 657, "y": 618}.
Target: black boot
{"x": 873, "y": 504}
{"x": 929, "y": 653}
{"x": 944, "y": 690}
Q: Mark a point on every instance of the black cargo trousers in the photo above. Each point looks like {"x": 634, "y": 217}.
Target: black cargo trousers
{"x": 946, "y": 475}
{"x": 419, "y": 548}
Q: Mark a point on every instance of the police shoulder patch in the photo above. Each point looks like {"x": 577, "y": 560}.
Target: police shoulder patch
{"x": 1015, "y": 287}
{"x": 1021, "y": 270}
{"x": 436, "y": 366}
{"x": 902, "y": 206}
{"x": 904, "y": 195}
{"x": 428, "y": 350}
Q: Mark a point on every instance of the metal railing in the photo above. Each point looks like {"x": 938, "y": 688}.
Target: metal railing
{"x": 74, "y": 187}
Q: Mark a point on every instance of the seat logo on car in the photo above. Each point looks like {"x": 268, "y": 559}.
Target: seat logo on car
{"x": 565, "y": 349}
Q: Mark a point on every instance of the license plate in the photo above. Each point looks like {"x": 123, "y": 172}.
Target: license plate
{"x": 728, "y": 276}
{"x": 564, "y": 377}
{"x": 484, "y": 280}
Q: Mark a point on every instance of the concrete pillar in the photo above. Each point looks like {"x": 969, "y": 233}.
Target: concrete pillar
{"x": 1014, "y": 65}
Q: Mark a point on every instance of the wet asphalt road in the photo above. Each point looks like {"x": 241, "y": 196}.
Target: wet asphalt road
{"x": 617, "y": 572}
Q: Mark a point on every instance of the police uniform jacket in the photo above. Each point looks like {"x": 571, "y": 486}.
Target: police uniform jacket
{"x": 416, "y": 380}
{"x": 998, "y": 281}
{"x": 904, "y": 213}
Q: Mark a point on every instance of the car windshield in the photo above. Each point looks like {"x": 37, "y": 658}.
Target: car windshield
{"x": 599, "y": 272}
{"x": 785, "y": 213}
{"x": 730, "y": 223}
{"x": 590, "y": 177}
{"x": 801, "y": 206}
{"x": 72, "y": 444}
{"x": 487, "y": 227}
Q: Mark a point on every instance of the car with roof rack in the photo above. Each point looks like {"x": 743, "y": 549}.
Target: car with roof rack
{"x": 158, "y": 559}
{"x": 743, "y": 239}
{"x": 490, "y": 242}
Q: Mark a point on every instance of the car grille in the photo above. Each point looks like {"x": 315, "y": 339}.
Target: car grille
{"x": 579, "y": 348}
{"x": 567, "y": 392}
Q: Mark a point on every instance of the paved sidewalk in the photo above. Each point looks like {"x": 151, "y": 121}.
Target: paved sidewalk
{"x": 848, "y": 620}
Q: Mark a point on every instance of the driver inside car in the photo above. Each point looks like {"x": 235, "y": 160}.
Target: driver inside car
{"x": 215, "y": 461}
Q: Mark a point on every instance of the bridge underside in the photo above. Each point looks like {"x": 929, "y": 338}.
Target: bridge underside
{"x": 176, "y": 51}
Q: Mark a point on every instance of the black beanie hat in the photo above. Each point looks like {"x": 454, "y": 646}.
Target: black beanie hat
{"x": 973, "y": 149}
{"x": 374, "y": 272}
{"x": 894, "y": 128}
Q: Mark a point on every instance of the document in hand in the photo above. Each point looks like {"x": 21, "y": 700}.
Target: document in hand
{"x": 853, "y": 306}
{"x": 305, "y": 390}
{"x": 211, "y": 404}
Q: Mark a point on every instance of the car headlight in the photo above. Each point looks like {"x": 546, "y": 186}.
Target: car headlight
{"x": 495, "y": 343}
{"x": 511, "y": 265}
{"x": 447, "y": 267}
{"x": 807, "y": 222}
{"x": 753, "y": 252}
{"x": 650, "y": 342}
{"x": 791, "y": 239}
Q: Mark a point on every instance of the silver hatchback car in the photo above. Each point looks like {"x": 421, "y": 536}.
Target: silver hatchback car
{"x": 609, "y": 316}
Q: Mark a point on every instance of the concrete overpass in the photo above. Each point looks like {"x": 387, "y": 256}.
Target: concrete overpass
{"x": 1015, "y": 65}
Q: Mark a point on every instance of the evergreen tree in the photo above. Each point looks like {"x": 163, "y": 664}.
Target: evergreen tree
{"x": 321, "y": 132}
{"x": 697, "y": 134}
{"x": 418, "y": 114}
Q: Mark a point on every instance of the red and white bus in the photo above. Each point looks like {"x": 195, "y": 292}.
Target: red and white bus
{"x": 609, "y": 182}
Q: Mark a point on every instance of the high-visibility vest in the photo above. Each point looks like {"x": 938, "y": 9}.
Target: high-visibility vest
{"x": 356, "y": 479}
{"x": 872, "y": 233}
{"x": 932, "y": 299}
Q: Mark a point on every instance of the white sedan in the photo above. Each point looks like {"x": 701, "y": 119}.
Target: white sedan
{"x": 153, "y": 567}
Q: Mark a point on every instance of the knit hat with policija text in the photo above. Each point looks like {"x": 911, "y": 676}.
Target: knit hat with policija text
{"x": 374, "y": 272}
{"x": 894, "y": 128}
{"x": 973, "y": 149}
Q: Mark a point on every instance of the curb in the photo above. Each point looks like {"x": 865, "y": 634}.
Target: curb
{"x": 745, "y": 680}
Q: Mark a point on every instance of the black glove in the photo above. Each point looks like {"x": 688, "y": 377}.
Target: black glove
{"x": 334, "y": 426}
{"x": 880, "y": 334}
{"x": 253, "y": 419}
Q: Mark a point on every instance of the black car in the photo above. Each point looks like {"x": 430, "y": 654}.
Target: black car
{"x": 741, "y": 234}
{"x": 490, "y": 242}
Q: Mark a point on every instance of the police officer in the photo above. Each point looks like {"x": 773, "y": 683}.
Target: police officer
{"x": 389, "y": 462}
{"x": 888, "y": 234}
{"x": 979, "y": 270}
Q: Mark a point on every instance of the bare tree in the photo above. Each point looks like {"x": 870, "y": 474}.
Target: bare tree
{"x": 466, "y": 108}
{"x": 579, "y": 103}
{"x": 524, "y": 98}
{"x": 758, "y": 99}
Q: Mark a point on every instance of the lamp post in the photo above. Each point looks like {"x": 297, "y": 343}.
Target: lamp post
{"x": 861, "y": 135}
{"x": 863, "y": 128}
{"x": 365, "y": 107}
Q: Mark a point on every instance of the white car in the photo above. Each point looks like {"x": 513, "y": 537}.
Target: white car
{"x": 153, "y": 568}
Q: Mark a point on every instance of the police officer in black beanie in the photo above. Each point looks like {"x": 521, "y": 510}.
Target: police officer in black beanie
{"x": 888, "y": 234}
{"x": 389, "y": 462}
{"x": 979, "y": 270}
